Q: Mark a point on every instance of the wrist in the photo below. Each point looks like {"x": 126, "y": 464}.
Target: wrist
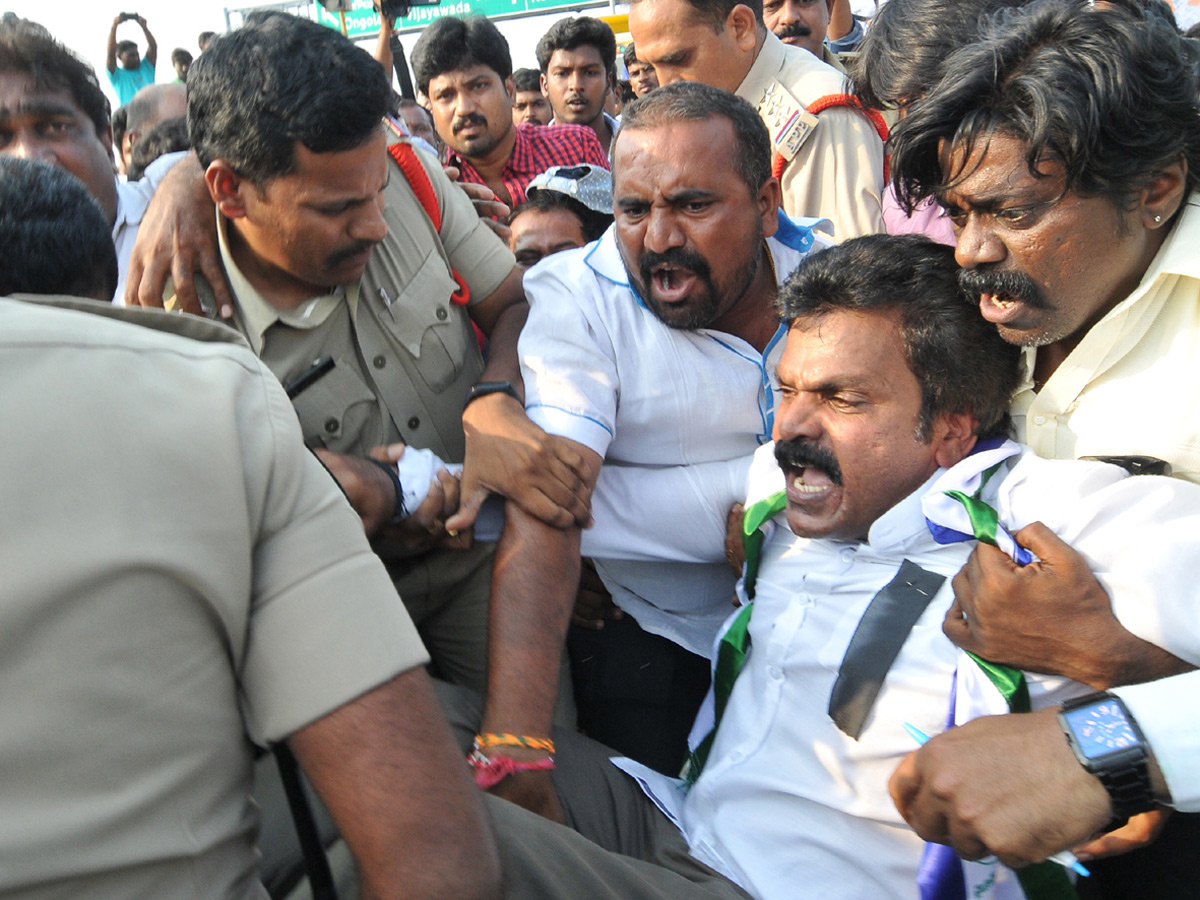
{"x": 1158, "y": 781}
{"x": 496, "y": 757}
{"x": 492, "y": 389}
{"x": 399, "y": 510}
{"x": 1107, "y": 742}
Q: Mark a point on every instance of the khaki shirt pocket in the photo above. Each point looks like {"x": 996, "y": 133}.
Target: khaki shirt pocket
{"x": 424, "y": 323}
{"x": 339, "y": 412}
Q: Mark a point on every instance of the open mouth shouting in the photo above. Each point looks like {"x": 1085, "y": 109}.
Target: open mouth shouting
{"x": 671, "y": 277}
{"x": 1002, "y": 296}
{"x": 812, "y": 474}
{"x": 671, "y": 283}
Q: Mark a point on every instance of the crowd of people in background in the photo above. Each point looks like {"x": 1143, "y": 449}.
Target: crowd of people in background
{"x": 754, "y": 456}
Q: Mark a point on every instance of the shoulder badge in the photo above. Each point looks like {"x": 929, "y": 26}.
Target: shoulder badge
{"x": 787, "y": 121}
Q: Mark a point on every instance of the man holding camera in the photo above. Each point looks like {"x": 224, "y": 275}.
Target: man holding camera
{"x": 134, "y": 73}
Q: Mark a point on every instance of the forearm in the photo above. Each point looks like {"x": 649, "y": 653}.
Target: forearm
{"x": 533, "y": 588}
{"x": 841, "y": 20}
{"x": 383, "y": 46}
{"x": 1126, "y": 659}
{"x": 1173, "y": 738}
{"x": 503, "y": 363}
{"x": 388, "y": 770}
{"x": 110, "y": 53}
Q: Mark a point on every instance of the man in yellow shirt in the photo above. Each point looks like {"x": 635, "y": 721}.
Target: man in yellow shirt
{"x": 1065, "y": 146}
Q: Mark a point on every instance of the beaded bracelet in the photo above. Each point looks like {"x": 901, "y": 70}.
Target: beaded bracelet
{"x": 490, "y": 771}
{"x": 491, "y": 739}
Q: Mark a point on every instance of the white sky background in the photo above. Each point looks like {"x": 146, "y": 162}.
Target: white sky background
{"x": 83, "y": 26}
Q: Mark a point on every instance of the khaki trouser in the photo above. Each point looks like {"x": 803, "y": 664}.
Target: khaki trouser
{"x": 618, "y": 846}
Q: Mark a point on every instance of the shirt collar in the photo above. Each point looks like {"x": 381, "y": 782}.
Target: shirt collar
{"x": 257, "y": 313}
{"x": 604, "y": 258}
{"x": 902, "y": 529}
{"x": 131, "y": 206}
{"x": 768, "y": 62}
{"x": 1177, "y": 255}
{"x": 830, "y": 58}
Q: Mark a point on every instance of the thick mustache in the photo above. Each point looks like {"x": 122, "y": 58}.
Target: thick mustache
{"x": 473, "y": 119}
{"x": 795, "y": 29}
{"x": 676, "y": 256}
{"x": 799, "y": 453}
{"x": 1011, "y": 285}
{"x": 352, "y": 250}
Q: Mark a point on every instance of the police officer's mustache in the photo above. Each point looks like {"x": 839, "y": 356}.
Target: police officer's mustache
{"x": 794, "y": 29}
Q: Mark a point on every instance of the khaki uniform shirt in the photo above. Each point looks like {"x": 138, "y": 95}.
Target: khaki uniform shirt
{"x": 179, "y": 575}
{"x": 837, "y": 170}
{"x": 831, "y": 59}
{"x": 405, "y": 357}
{"x": 1130, "y": 387}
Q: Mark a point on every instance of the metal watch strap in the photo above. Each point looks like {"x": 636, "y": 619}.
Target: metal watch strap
{"x": 1126, "y": 778}
{"x": 1128, "y": 785}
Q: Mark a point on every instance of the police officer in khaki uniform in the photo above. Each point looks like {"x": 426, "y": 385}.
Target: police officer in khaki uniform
{"x": 181, "y": 579}
{"x": 356, "y": 272}
{"x": 829, "y": 155}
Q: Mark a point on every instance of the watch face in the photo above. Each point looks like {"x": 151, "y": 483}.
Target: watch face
{"x": 1101, "y": 729}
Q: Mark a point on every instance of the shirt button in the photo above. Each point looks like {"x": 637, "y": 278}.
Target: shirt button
{"x": 441, "y": 313}
{"x": 737, "y": 756}
{"x": 775, "y": 673}
{"x": 847, "y": 555}
{"x": 379, "y": 362}
{"x": 331, "y": 425}
{"x": 1039, "y": 420}
{"x": 414, "y": 423}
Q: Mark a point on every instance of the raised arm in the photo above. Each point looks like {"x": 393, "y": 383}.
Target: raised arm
{"x": 151, "y": 43}
{"x": 110, "y": 54}
{"x": 841, "y": 20}
{"x": 383, "y": 46}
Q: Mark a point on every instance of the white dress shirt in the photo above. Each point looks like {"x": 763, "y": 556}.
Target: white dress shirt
{"x": 786, "y": 798}
{"x": 132, "y": 199}
{"x": 1130, "y": 385}
{"x": 675, "y": 414}
{"x": 1166, "y": 712}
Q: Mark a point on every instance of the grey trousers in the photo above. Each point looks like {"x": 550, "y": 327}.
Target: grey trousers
{"x": 446, "y": 593}
{"x": 619, "y": 846}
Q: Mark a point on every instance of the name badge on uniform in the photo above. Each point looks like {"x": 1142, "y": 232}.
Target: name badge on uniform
{"x": 787, "y": 121}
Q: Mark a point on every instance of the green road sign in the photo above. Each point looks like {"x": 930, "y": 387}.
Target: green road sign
{"x": 363, "y": 22}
